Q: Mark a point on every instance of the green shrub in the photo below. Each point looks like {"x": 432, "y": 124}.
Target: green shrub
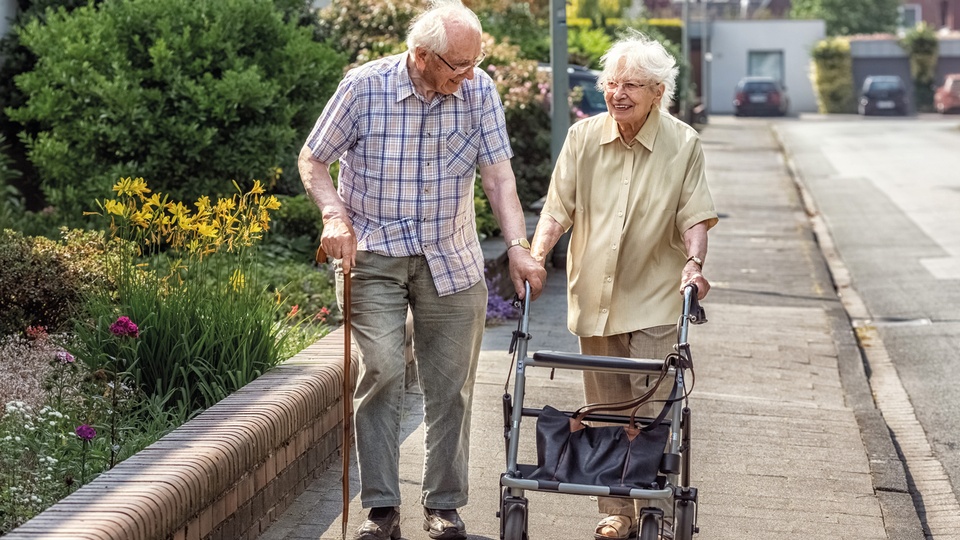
{"x": 832, "y": 76}
{"x": 42, "y": 280}
{"x": 586, "y": 46}
{"x": 525, "y": 95}
{"x": 516, "y": 24}
{"x": 368, "y": 29}
{"x": 189, "y": 93}
{"x": 297, "y": 216}
{"x": 923, "y": 47}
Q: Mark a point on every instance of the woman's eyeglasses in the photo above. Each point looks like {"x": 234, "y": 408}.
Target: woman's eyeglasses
{"x": 630, "y": 87}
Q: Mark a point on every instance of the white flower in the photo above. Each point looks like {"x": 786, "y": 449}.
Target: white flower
{"x": 16, "y": 438}
{"x": 34, "y": 498}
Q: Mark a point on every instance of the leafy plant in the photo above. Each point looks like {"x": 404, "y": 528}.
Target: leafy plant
{"x": 849, "y": 17}
{"x": 832, "y": 76}
{"x": 209, "y": 327}
{"x": 586, "y": 46}
{"x": 923, "y": 47}
{"x": 42, "y": 281}
{"x": 190, "y": 93}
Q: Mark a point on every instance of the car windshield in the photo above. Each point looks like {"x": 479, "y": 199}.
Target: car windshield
{"x": 593, "y": 101}
{"x": 884, "y": 84}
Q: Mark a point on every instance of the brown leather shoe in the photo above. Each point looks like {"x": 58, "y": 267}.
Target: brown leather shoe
{"x": 381, "y": 524}
{"x": 443, "y": 524}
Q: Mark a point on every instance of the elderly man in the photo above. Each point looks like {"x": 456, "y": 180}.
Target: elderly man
{"x": 631, "y": 183}
{"x": 410, "y": 131}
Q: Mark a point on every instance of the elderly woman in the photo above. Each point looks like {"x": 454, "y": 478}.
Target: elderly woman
{"x": 631, "y": 184}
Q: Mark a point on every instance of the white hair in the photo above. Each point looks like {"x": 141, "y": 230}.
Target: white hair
{"x": 645, "y": 59}
{"x": 428, "y": 30}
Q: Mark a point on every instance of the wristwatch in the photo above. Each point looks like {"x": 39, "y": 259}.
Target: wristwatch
{"x": 522, "y": 242}
{"x": 697, "y": 260}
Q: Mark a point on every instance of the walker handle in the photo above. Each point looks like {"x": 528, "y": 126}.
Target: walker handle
{"x": 692, "y": 310}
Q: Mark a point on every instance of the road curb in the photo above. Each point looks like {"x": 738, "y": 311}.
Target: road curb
{"x": 900, "y": 516}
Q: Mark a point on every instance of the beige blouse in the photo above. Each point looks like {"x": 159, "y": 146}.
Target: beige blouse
{"x": 628, "y": 206}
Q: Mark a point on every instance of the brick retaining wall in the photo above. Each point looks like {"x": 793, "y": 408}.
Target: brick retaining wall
{"x": 226, "y": 474}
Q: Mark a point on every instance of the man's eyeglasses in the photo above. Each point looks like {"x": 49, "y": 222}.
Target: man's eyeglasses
{"x": 630, "y": 87}
{"x": 461, "y": 68}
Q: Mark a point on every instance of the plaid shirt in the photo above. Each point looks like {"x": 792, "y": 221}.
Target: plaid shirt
{"x": 407, "y": 167}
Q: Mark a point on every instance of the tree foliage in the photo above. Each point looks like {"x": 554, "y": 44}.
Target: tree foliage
{"x": 191, "y": 94}
{"x": 848, "y": 17}
{"x": 832, "y": 76}
{"x": 923, "y": 48}
{"x": 17, "y": 59}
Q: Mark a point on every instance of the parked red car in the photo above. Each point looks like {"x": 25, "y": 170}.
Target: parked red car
{"x": 947, "y": 97}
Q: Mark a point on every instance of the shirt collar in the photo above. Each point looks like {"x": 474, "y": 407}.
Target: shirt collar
{"x": 647, "y": 135}
{"x": 404, "y": 83}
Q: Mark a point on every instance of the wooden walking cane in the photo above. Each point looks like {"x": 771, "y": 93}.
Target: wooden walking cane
{"x": 347, "y": 395}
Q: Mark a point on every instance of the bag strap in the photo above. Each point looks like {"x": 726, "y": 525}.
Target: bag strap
{"x": 633, "y": 403}
{"x": 663, "y": 411}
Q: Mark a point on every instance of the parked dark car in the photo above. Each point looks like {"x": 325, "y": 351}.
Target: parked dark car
{"x": 883, "y": 94}
{"x": 586, "y": 79}
{"x": 947, "y": 97}
{"x": 760, "y": 96}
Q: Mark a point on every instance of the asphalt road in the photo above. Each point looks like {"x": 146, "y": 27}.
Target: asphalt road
{"x": 888, "y": 191}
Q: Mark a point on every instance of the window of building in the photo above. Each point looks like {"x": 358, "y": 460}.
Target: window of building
{"x": 910, "y": 15}
{"x": 765, "y": 64}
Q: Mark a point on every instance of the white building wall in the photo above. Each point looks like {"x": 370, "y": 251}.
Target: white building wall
{"x": 730, "y": 43}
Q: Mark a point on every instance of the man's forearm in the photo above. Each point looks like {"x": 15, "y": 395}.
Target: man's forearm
{"x": 499, "y": 185}
{"x": 319, "y": 186}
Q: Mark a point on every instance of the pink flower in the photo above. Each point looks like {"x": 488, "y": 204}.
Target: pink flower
{"x": 36, "y": 332}
{"x": 125, "y": 327}
{"x": 65, "y": 358}
{"x": 86, "y": 432}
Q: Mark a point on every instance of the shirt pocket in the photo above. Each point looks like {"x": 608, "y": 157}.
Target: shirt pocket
{"x": 461, "y": 152}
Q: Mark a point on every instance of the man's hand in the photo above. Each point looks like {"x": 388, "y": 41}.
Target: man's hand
{"x": 339, "y": 241}
{"x": 523, "y": 268}
{"x": 693, "y": 275}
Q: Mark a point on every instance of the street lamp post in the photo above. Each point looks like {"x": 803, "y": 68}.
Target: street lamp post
{"x": 685, "y": 50}
{"x": 560, "y": 119}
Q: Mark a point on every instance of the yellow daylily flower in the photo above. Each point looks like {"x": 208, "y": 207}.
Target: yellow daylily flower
{"x": 130, "y": 187}
{"x": 141, "y": 218}
{"x": 202, "y": 204}
{"x": 257, "y": 188}
{"x": 272, "y": 203}
{"x": 207, "y": 230}
{"x": 114, "y": 207}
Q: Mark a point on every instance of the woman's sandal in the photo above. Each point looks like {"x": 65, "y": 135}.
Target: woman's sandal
{"x": 623, "y": 528}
